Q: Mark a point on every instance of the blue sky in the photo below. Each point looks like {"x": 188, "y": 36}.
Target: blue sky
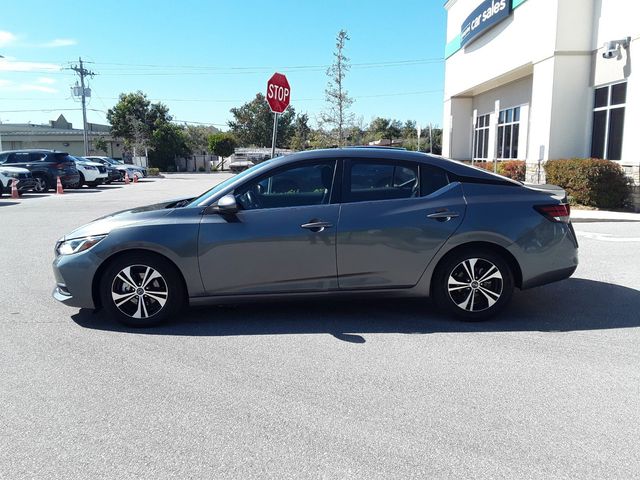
{"x": 202, "y": 58}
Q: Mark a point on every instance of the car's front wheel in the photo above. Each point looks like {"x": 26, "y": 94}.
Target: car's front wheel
{"x": 473, "y": 284}
{"x": 141, "y": 290}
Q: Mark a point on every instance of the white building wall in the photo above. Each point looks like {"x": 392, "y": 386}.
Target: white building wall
{"x": 549, "y": 52}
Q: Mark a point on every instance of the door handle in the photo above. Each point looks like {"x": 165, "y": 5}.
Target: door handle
{"x": 316, "y": 225}
{"x": 443, "y": 216}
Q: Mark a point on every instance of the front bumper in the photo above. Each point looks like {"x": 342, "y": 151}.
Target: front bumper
{"x": 25, "y": 184}
{"x": 74, "y": 279}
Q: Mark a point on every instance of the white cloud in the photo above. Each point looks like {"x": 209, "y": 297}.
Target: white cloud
{"x": 59, "y": 42}
{"x": 11, "y": 86}
{"x": 6, "y": 38}
{"x": 46, "y": 80}
{"x": 35, "y": 88}
{"x": 7, "y": 65}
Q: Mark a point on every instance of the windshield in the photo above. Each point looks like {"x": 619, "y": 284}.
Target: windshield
{"x": 221, "y": 186}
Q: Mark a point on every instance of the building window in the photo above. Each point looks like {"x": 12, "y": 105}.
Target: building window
{"x": 608, "y": 121}
{"x": 481, "y": 137}
{"x": 508, "y": 131}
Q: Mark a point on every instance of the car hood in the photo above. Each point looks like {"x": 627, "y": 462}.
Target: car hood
{"x": 148, "y": 214}
{"x": 13, "y": 170}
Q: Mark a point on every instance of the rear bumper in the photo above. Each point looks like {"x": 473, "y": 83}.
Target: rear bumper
{"x": 550, "y": 277}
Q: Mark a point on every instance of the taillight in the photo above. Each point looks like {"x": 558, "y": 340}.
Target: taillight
{"x": 61, "y": 165}
{"x": 555, "y": 213}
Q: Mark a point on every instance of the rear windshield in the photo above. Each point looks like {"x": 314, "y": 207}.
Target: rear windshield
{"x": 63, "y": 157}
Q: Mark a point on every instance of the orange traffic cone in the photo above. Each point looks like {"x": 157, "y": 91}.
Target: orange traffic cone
{"x": 14, "y": 188}
{"x": 135, "y": 178}
{"x": 126, "y": 178}
{"x": 59, "y": 189}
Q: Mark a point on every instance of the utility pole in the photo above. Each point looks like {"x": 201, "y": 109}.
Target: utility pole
{"x": 83, "y": 72}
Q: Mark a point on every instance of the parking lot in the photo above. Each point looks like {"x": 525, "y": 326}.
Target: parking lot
{"x": 349, "y": 389}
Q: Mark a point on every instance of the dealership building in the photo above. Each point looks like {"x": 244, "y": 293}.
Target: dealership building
{"x": 542, "y": 79}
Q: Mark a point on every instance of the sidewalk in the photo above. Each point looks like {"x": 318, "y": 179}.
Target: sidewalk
{"x": 586, "y": 216}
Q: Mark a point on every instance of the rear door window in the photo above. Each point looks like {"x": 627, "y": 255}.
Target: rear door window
{"x": 432, "y": 179}
{"x": 380, "y": 180}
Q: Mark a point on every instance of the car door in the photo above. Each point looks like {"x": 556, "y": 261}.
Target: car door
{"x": 281, "y": 240}
{"x": 394, "y": 217}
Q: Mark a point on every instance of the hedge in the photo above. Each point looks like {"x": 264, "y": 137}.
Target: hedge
{"x": 590, "y": 181}
{"x": 514, "y": 169}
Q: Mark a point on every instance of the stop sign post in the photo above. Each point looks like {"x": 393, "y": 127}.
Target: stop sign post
{"x": 278, "y": 97}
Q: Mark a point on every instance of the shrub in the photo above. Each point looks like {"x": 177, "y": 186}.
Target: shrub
{"x": 153, "y": 172}
{"x": 201, "y": 169}
{"x": 514, "y": 169}
{"x": 590, "y": 181}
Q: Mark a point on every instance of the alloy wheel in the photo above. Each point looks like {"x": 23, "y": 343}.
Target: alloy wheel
{"x": 41, "y": 185}
{"x": 475, "y": 284}
{"x": 139, "y": 291}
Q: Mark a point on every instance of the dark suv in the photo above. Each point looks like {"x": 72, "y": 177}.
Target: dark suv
{"x": 45, "y": 166}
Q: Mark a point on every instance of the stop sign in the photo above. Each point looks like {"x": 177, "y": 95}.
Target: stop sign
{"x": 278, "y": 93}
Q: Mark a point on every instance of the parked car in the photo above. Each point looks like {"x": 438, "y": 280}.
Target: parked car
{"x": 9, "y": 174}
{"x": 91, "y": 173}
{"x": 132, "y": 170}
{"x": 45, "y": 166}
{"x": 345, "y": 222}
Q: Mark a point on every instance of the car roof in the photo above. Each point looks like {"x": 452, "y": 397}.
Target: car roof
{"x": 382, "y": 153}
{"x": 34, "y": 150}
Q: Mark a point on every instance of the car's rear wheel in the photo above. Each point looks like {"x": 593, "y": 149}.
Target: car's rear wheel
{"x": 473, "y": 284}
{"x": 41, "y": 185}
{"x": 141, "y": 290}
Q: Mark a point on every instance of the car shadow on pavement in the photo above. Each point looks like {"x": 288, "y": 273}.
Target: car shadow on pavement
{"x": 571, "y": 305}
{"x": 4, "y": 203}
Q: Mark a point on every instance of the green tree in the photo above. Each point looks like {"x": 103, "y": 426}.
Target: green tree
{"x": 100, "y": 144}
{"x": 222, "y": 144}
{"x": 385, "y": 128}
{"x": 168, "y": 142}
{"x": 252, "y": 124}
{"x": 301, "y": 131}
{"x": 409, "y": 130}
{"x": 134, "y": 116}
{"x": 197, "y": 137}
{"x": 337, "y": 114}
{"x": 147, "y": 126}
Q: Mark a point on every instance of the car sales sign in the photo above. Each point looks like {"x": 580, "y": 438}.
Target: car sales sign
{"x": 485, "y": 16}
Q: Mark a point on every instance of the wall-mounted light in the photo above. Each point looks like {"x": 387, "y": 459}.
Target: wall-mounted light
{"x": 612, "y": 47}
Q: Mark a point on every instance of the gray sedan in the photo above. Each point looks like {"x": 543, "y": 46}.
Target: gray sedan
{"x": 340, "y": 222}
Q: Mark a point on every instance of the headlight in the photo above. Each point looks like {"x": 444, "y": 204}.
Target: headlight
{"x": 77, "y": 245}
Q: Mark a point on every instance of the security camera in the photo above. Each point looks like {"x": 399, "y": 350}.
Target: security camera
{"x": 612, "y": 47}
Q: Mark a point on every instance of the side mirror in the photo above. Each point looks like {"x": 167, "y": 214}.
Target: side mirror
{"x": 225, "y": 206}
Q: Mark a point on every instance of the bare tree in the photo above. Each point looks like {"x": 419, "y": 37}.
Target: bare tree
{"x": 337, "y": 115}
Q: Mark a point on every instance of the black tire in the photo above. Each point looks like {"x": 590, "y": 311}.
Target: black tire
{"x": 42, "y": 185}
{"x": 80, "y": 182}
{"x": 456, "y": 293}
{"x": 130, "y": 312}
{"x": 93, "y": 184}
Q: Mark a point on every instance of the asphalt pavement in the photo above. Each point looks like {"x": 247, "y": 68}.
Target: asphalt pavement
{"x": 369, "y": 389}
